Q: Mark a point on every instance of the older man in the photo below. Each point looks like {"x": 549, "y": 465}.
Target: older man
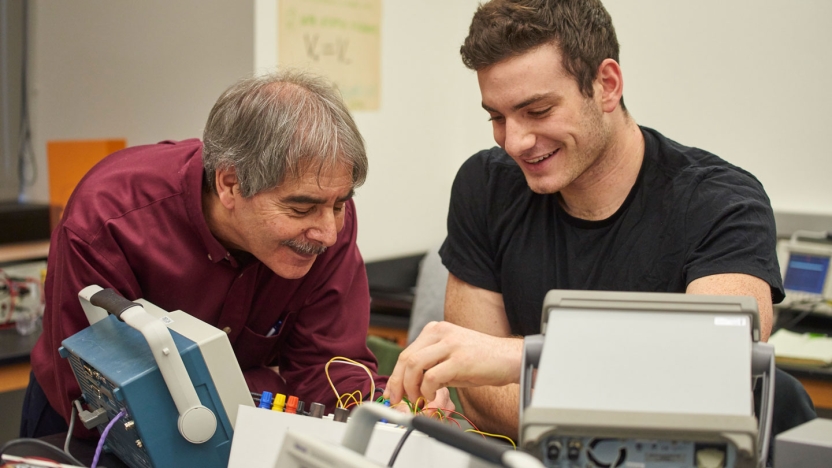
{"x": 252, "y": 230}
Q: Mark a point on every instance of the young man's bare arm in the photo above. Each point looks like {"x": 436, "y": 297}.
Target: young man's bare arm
{"x": 492, "y": 409}
{"x": 736, "y": 284}
{"x": 472, "y": 352}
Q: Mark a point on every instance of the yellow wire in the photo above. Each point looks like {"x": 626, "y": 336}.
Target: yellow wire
{"x": 438, "y": 414}
{"x": 417, "y": 401}
{"x": 349, "y": 396}
{"x": 493, "y": 435}
{"x": 343, "y": 360}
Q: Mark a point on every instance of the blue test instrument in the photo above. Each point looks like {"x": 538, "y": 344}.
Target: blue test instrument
{"x": 174, "y": 376}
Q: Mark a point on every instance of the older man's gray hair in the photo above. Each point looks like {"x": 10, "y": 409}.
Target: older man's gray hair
{"x": 276, "y": 127}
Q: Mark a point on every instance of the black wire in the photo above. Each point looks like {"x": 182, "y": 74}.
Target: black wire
{"x": 794, "y": 321}
{"x": 63, "y": 456}
{"x": 399, "y": 447}
{"x": 799, "y": 318}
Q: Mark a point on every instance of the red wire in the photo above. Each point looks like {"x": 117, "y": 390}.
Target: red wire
{"x": 11, "y": 290}
{"x": 455, "y": 422}
{"x": 463, "y": 416}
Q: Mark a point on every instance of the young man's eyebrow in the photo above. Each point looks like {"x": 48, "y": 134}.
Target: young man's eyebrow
{"x": 518, "y": 106}
{"x": 531, "y": 100}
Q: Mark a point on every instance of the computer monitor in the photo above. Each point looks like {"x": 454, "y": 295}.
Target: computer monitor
{"x": 806, "y": 268}
{"x": 806, "y": 273}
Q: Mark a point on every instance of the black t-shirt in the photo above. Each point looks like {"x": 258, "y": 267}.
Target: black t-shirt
{"x": 690, "y": 214}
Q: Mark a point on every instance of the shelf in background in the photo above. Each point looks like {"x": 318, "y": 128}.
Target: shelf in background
{"x": 24, "y": 251}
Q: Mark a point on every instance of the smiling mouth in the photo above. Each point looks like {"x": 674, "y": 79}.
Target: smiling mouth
{"x": 542, "y": 158}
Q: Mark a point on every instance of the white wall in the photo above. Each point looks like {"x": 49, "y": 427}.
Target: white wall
{"x": 428, "y": 123}
{"x": 150, "y": 71}
{"x": 145, "y": 71}
{"x": 744, "y": 79}
{"x": 11, "y": 62}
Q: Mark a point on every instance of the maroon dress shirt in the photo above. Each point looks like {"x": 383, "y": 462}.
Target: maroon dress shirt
{"x": 135, "y": 224}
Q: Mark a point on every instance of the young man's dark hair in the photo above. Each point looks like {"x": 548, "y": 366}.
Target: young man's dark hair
{"x": 581, "y": 28}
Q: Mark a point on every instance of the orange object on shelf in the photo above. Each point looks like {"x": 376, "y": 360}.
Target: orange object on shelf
{"x": 67, "y": 163}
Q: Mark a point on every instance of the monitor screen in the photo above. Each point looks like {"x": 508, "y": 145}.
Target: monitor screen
{"x": 806, "y": 273}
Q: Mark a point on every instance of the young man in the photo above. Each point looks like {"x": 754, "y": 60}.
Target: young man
{"x": 252, "y": 230}
{"x": 577, "y": 196}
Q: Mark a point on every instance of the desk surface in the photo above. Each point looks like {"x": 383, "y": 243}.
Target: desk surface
{"x": 14, "y": 347}
{"x": 24, "y": 251}
{"x": 811, "y": 323}
{"x": 83, "y": 450}
{"x": 819, "y": 373}
{"x": 816, "y": 380}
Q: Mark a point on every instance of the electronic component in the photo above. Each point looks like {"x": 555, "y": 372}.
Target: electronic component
{"x": 316, "y": 410}
{"x": 646, "y": 379}
{"x": 341, "y": 414}
{"x": 805, "y": 264}
{"x": 265, "y": 400}
{"x": 293, "y": 405}
{"x": 807, "y": 446}
{"x": 420, "y": 451}
{"x": 21, "y": 298}
{"x": 301, "y": 450}
{"x": 279, "y": 402}
{"x": 174, "y": 376}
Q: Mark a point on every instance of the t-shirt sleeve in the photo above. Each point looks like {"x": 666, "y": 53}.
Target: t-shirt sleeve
{"x": 730, "y": 226}
{"x": 468, "y": 250}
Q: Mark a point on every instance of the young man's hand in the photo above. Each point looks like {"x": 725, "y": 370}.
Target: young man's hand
{"x": 447, "y": 355}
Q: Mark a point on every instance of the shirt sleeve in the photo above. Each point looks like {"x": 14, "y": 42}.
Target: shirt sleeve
{"x": 731, "y": 229}
{"x": 333, "y": 322}
{"x": 73, "y": 264}
{"x": 467, "y": 251}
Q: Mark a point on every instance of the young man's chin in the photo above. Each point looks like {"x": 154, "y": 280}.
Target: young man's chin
{"x": 543, "y": 186}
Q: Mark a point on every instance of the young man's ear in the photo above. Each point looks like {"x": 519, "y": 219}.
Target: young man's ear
{"x": 228, "y": 187}
{"x": 609, "y": 84}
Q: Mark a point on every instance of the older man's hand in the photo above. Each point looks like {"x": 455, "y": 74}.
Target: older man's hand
{"x": 446, "y": 355}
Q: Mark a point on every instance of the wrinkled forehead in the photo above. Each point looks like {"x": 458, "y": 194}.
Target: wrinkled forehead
{"x": 321, "y": 173}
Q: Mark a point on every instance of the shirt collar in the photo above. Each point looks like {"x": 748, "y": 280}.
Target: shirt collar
{"x": 192, "y": 179}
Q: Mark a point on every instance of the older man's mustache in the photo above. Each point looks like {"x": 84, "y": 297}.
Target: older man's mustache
{"x": 304, "y": 248}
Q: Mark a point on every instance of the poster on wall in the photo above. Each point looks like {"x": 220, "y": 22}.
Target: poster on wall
{"x": 340, "y": 39}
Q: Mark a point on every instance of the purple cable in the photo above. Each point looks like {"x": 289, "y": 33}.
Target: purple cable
{"x": 104, "y": 437}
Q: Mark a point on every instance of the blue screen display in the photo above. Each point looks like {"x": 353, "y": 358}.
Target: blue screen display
{"x": 806, "y": 273}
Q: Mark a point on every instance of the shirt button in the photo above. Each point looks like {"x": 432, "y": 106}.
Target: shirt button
{"x": 227, "y": 330}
